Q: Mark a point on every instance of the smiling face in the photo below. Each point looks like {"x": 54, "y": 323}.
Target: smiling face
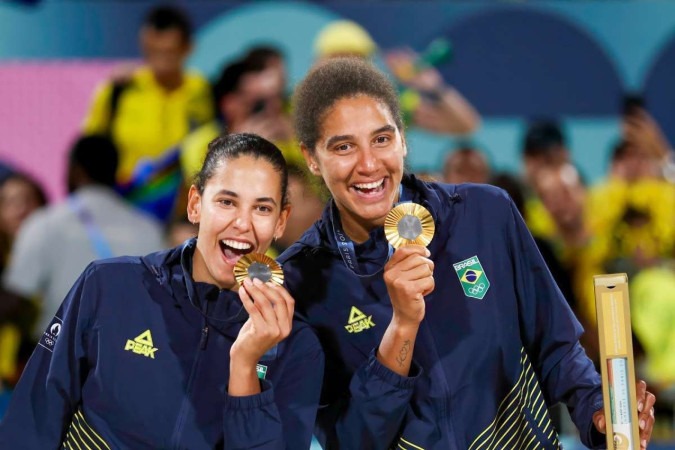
{"x": 360, "y": 155}
{"x": 239, "y": 211}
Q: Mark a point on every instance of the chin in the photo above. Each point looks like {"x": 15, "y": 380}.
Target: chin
{"x": 375, "y": 213}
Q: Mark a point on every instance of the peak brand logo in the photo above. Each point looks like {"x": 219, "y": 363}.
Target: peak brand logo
{"x": 358, "y": 321}
{"x": 142, "y": 345}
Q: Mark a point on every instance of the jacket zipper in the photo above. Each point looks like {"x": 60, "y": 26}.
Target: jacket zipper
{"x": 180, "y": 420}
{"x": 205, "y": 337}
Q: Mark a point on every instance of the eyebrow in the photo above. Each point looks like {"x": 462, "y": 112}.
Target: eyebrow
{"x": 235, "y": 195}
{"x": 345, "y": 137}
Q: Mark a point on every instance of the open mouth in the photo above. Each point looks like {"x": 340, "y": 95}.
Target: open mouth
{"x": 233, "y": 250}
{"x": 369, "y": 189}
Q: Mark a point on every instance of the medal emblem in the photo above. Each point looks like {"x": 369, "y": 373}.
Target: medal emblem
{"x": 260, "y": 266}
{"x": 409, "y": 224}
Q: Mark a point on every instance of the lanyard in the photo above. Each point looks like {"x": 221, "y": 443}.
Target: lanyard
{"x": 98, "y": 241}
{"x": 346, "y": 245}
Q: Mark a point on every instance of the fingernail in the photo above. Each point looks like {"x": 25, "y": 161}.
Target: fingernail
{"x": 257, "y": 282}
{"x": 643, "y": 443}
{"x": 642, "y": 424}
{"x": 640, "y": 406}
{"x": 247, "y": 282}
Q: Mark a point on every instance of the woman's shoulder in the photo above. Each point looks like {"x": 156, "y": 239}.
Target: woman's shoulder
{"x": 473, "y": 191}
{"x": 115, "y": 269}
{"x": 466, "y": 198}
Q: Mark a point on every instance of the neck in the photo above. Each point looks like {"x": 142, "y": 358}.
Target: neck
{"x": 200, "y": 272}
{"x": 357, "y": 229}
{"x": 170, "y": 82}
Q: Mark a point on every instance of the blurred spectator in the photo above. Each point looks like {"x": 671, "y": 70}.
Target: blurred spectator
{"x": 20, "y": 196}
{"x": 629, "y": 164}
{"x": 544, "y": 146}
{"x": 564, "y": 198}
{"x": 561, "y": 274}
{"x": 250, "y": 98}
{"x": 563, "y": 195}
{"x": 150, "y": 109}
{"x": 653, "y": 315}
{"x": 55, "y": 244}
{"x": 431, "y": 103}
{"x": 179, "y": 230}
{"x": 270, "y": 58}
{"x": 466, "y": 164}
{"x": 306, "y": 207}
{"x": 5, "y": 171}
{"x": 643, "y": 134}
{"x": 635, "y": 204}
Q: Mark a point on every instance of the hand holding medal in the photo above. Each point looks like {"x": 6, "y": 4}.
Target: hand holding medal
{"x": 258, "y": 266}
{"x": 409, "y": 228}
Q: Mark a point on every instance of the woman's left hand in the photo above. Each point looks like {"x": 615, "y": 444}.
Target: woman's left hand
{"x": 270, "y": 308}
{"x": 645, "y": 405}
{"x": 270, "y": 319}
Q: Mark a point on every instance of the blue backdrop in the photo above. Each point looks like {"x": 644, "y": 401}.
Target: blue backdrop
{"x": 572, "y": 60}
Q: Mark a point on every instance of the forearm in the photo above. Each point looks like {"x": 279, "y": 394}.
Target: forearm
{"x": 243, "y": 378}
{"x": 396, "y": 348}
{"x": 461, "y": 116}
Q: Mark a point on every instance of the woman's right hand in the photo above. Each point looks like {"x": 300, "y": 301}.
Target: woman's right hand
{"x": 409, "y": 276}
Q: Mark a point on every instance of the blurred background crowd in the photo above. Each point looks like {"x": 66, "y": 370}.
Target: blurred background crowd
{"x": 106, "y": 109}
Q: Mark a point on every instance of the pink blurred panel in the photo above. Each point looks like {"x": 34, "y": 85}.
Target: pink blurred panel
{"x": 42, "y": 105}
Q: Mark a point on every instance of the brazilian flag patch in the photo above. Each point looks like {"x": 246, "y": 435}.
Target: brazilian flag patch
{"x": 472, "y": 277}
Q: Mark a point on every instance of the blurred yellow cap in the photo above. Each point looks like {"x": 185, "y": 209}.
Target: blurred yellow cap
{"x": 344, "y": 37}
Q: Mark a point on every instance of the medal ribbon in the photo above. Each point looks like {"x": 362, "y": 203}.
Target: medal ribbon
{"x": 346, "y": 245}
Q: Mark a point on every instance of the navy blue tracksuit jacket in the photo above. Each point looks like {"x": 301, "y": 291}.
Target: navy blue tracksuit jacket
{"x": 138, "y": 358}
{"x": 497, "y": 347}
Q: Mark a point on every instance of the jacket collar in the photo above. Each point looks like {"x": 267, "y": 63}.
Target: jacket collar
{"x": 173, "y": 271}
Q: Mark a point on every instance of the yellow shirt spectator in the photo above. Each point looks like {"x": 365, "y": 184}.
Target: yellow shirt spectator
{"x": 148, "y": 119}
{"x": 195, "y": 146}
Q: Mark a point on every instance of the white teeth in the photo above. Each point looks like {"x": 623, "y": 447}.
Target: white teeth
{"x": 372, "y": 185}
{"x": 236, "y": 244}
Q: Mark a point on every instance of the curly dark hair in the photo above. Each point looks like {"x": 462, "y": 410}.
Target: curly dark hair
{"x": 335, "y": 79}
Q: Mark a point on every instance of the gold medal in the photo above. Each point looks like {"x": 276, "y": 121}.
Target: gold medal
{"x": 409, "y": 223}
{"x": 260, "y": 266}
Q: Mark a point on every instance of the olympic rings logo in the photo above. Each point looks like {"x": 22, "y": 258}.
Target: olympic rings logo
{"x": 477, "y": 289}
{"x": 49, "y": 342}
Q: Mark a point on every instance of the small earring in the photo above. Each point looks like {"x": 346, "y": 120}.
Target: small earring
{"x": 313, "y": 167}
{"x": 275, "y": 238}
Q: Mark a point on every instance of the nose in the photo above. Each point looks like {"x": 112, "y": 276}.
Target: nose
{"x": 243, "y": 221}
{"x": 368, "y": 161}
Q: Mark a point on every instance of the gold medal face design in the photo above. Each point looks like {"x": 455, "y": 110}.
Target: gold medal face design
{"x": 260, "y": 266}
{"x": 409, "y": 223}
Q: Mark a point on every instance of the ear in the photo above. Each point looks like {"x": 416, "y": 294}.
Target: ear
{"x": 283, "y": 221}
{"x": 194, "y": 205}
{"x": 310, "y": 159}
